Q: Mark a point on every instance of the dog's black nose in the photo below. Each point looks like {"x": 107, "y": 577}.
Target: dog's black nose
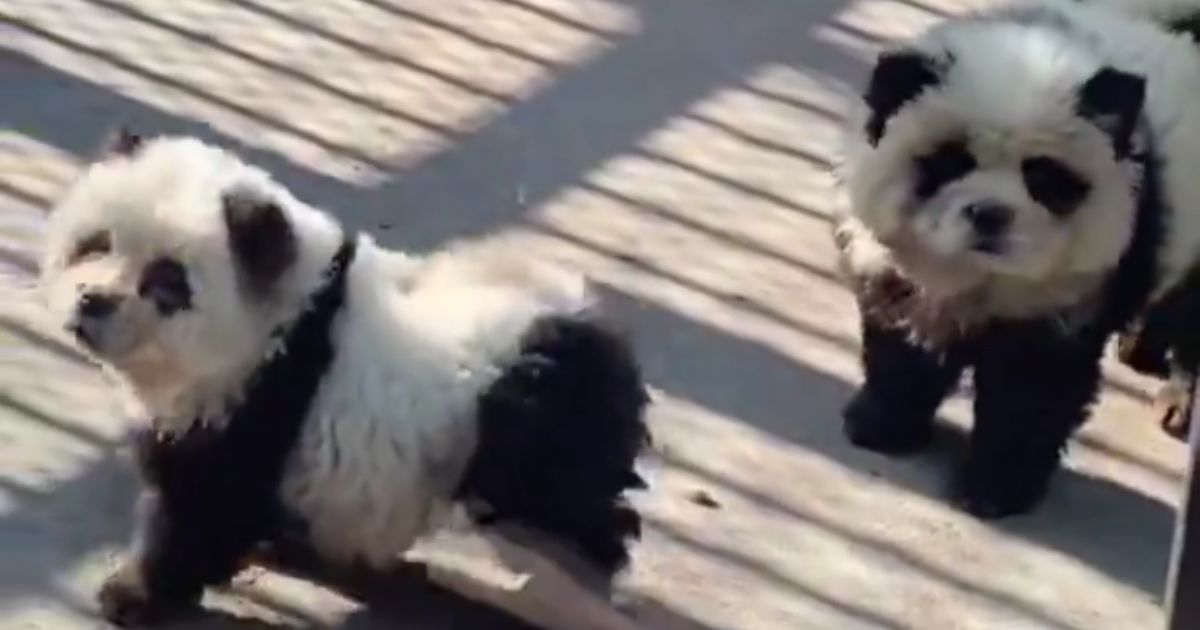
{"x": 97, "y": 305}
{"x": 989, "y": 219}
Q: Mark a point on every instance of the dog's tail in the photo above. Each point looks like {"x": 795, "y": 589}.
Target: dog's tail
{"x": 559, "y": 433}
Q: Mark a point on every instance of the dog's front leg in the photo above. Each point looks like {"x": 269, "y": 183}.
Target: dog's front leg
{"x": 1033, "y": 387}
{"x": 166, "y": 568}
{"x": 145, "y": 590}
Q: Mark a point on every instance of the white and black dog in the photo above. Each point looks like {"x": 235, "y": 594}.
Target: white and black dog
{"x": 1155, "y": 345}
{"x": 1021, "y": 186}
{"x": 298, "y": 373}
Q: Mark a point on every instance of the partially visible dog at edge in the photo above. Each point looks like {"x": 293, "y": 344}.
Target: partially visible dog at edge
{"x": 1019, "y": 188}
{"x": 1148, "y": 346}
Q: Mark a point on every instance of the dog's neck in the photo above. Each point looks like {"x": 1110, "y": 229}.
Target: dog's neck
{"x": 278, "y": 391}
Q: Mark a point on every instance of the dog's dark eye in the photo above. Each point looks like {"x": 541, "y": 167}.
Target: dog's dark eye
{"x": 948, "y": 162}
{"x": 165, "y": 281}
{"x": 1054, "y": 185}
{"x": 97, "y": 244}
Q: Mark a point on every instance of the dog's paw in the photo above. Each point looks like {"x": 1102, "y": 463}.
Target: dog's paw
{"x": 1171, "y": 406}
{"x": 988, "y": 497}
{"x": 125, "y": 602}
{"x": 1136, "y": 351}
{"x": 868, "y": 425}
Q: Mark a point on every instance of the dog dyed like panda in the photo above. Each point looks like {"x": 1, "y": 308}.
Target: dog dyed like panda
{"x": 1021, "y": 186}
{"x": 295, "y": 372}
{"x": 1148, "y": 345}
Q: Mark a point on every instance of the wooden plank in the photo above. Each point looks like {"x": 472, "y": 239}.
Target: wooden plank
{"x": 1183, "y": 583}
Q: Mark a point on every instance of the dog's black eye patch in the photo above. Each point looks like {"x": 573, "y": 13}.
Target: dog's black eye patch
{"x": 1054, "y": 185}
{"x": 94, "y": 245}
{"x": 165, "y": 282}
{"x": 947, "y": 163}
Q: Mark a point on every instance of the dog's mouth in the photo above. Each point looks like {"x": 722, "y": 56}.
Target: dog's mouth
{"x": 99, "y": 339}
{"x": 88, "y": 333}
{"x": 990, "y": 246}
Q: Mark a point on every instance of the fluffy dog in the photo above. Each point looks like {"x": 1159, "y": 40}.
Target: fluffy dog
{"x": 1162, "y": 342}
{"x": 301, "y": 378}
{"x": 1019, "y": 188}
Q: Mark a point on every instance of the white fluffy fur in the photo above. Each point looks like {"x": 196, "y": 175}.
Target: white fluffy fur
{"x": 1011, "y": 91}
{"x": 392, "y": 426}
{"x": 395, "y": 418}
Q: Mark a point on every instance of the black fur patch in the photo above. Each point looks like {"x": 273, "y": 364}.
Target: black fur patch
{"x": 165, "y": 281}
{"x": 1054, "y": 184}
{"x": 1130, "y": 287}
{"x": 94, "y": 245}
{"x": 905, "y": 384}
{"x": 1144, "y": 347}
{"x": 121, "y": 142}
{"x": 1164, "y": 342}
{"x": 212, "y": 495}
{"x": 1113, "y": 101}
{"x": 949, "y": 162}
{"x": 1168, "y": 331}
{"x": 1189, "y": 26}
{"x": 260, "y": 238}
{"x": 898, "y": 78}
{"x": 559, "y": 433}
{"x": 1033, "y": 387}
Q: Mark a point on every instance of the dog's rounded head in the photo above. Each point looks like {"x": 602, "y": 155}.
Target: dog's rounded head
{"x": 994, "y": 149}
{"x": 173, "y": 261}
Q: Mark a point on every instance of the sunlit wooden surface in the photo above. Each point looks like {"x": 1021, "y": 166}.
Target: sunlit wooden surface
{"x": 678, "y": 152}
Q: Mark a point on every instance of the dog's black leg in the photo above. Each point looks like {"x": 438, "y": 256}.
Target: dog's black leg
{"x": 1034, "y": 386}
{"x": 191, "y": 531}
{"x": 1142, "y": 349}
{"x": 1174, "y": 400}
{"x": 159, "y": 577}
{"x": 893, "y": 412}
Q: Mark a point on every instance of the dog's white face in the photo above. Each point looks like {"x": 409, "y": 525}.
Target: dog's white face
{"x": 173, "y": 261}
{"x": 997, "y": 151}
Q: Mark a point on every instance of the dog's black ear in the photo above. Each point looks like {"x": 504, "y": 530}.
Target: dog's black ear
{"x": 1113, "y": 100}
{"x": 260, "y": 237}
{"x": 899, "y": 77}
{"x": 1189, "y": 25}
{"x": 121, "y": 142}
